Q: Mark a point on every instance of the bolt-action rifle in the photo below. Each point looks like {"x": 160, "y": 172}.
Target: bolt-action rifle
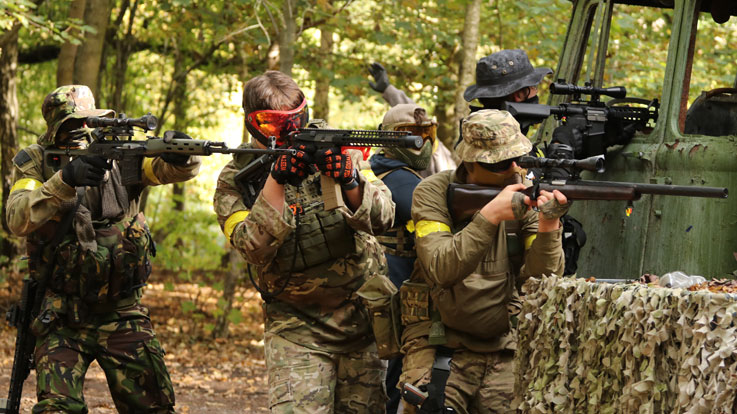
{"x": 589, "y": 127}
{"x": 112, "y": 139}
{"x": 466, "y": 199}
{"x": 250, "y": 179}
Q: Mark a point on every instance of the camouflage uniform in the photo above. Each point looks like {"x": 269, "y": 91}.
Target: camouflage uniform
{"x": 464, "y": 281}
{"x": 78, "y": 321}
{"x": 320, "y": 351}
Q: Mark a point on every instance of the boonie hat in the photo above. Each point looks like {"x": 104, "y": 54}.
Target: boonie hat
{"x": 65, "y": 103}
{"x": 503, "y": 73}
{"x": 491, "y": 136}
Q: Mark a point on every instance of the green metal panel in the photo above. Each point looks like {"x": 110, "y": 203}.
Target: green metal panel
{"x": 698, "y": 236}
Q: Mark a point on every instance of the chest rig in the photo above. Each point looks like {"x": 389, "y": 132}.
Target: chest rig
{"x": 399, "y": 240}
{"x": 321, "y": 235}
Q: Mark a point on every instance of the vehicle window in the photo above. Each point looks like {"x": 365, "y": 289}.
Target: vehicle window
{"x": 637, "y": 51}
{"x": 712, "y": 97}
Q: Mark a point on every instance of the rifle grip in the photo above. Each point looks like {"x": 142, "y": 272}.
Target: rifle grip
{"x": 332, "y": 194}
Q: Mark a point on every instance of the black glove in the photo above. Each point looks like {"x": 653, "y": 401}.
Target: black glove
{"x": 338, "y": 166}
{"x": 87, "y": 170}
{"x": 178, "y": 160}
{"x": 292, "y": 169}
{"x": 380, "y": 76}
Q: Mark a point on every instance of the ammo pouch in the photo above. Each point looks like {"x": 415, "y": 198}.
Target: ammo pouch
{"x": 477, "y": 305}
{"x": 415, "y": 302}
{"x": 323, "y": 236}
{"x": 118, "y": 267}
{"x": 381, "y": 298}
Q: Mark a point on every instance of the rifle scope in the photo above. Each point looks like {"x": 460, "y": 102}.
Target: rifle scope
{"x": 595, "y": 163}
{"x": 147, "y": 122}
{"x": 557, "y": 88}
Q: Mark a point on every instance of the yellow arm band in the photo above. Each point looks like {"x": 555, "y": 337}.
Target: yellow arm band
{"x": 370, "y": 176}
{"x": 26, "y": 184}
{"x": 148, "y": 171}
{"x": 529, "y": 240}
{"x": 425, "y": 227}
{"x": 410, "y": 226}
{"x": 233, "y": 221}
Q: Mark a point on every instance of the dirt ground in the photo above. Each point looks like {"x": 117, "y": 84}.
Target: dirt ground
{"x": 210, "y": 375}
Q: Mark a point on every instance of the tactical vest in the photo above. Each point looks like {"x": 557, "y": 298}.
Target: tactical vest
{"x": 399, "y": 240}
{"x": 113, "y": 271}
{"x": 321, "y": 235}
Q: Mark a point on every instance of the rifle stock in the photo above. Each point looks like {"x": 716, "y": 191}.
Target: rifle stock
{"x": 464, "y": 200}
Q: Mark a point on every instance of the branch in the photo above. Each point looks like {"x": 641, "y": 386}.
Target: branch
{"x": 323, "y": 20}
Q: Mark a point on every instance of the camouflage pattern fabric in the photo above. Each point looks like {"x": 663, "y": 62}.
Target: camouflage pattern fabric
{"x": 491, "y": 136}
{"x": 319, "y": 308}
{"x": 625, "y": 348}
{"x": 65, "y": 103}
{"x": 552, "y": 209}
{"x": 124, "y": 344}
{"x": 309, "y": 381}
{"x": 479, "y": 383}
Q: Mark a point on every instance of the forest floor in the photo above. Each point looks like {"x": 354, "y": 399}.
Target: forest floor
{"x": 223, "y": 375}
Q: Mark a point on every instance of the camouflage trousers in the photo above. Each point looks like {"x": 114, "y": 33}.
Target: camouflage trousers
{"x": 479, "y": 383}
{"x": 123, "y": 343}
{"x": 303, "y": 380}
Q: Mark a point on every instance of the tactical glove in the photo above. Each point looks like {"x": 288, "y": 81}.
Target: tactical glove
{"x": 380, "y": 76}
{"x": 338, "y": 166}
{"x": 84, "y": 171}
{"x": 292, "y": 169}
{"x": 178, "y": 160}
{"x": 552, "y": 209}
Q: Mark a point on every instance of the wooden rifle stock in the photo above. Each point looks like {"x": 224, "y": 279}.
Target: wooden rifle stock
{"x": 464, "y": 200}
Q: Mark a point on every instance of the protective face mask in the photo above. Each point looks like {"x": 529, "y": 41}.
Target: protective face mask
{"x": 418, "y": 161}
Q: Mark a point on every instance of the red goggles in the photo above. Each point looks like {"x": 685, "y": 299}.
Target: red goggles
{"x": 279, "y": 124}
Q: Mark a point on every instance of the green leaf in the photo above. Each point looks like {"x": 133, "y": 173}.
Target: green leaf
{"x": 188, "y": 306}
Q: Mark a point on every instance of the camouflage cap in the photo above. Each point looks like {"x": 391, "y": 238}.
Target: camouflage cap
{"x": 491, "y": 136}
{"x": 65, "y": 103}
{"x": 406, "y": 114}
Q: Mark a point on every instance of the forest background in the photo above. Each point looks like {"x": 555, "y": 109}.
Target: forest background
{"x": 186, "y": 61}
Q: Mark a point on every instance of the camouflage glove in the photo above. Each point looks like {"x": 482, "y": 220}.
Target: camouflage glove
{"x": 292, "y": 169}
{"x": 178, "y": 160}
{"x": 338, "y": 166}
{"x": 519, "y": 208}
{"x": 552, "y": 209}
{"x": 380, "y": 76}
{"x": 85, "y": 171}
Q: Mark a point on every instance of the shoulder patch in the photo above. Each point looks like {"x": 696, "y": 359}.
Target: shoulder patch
{"x": 21, "y": 158}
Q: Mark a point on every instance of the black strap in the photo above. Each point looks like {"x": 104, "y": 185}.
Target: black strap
{"x": 435, "y": 402}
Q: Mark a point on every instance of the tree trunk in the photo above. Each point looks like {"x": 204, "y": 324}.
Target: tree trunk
{"x": 235, "y": 271}
{"x": 68, "y": 51}
{"x": 8, "y": 131}
{"x": 287, "y": 37}
{"x": 467, "y": 66}
{"x": 123, "y": 51}
{"x": 89, "y": 53}
{"x": 323, "y": 76}
{"x": 180, "y": 123}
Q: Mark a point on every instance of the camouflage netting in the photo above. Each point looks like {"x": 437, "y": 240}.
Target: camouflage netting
{"x": 625, "y": 348}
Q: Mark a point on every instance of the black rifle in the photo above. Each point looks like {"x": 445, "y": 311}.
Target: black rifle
{"x": 250, "y": 179}
{"x": 589, "y": 127}
{"x": 21, "y": 314}
{"x": 466, "y": 199}
{"x": 112, "y": 139}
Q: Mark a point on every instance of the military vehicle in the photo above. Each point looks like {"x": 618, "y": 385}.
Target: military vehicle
{"x": 683, "y": 53}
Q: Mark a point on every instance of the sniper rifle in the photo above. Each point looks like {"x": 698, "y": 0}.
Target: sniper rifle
{"x": 464, "y": 200}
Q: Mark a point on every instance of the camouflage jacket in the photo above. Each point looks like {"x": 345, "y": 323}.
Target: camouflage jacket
{"x": 475, "y": 267}
{"x": 319, "y": 307}
{"x": 34, "y": 200}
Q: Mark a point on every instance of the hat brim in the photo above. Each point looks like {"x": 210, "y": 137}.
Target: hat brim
{"x": 504, "y": 89}
{"x": 51, "y": 132}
